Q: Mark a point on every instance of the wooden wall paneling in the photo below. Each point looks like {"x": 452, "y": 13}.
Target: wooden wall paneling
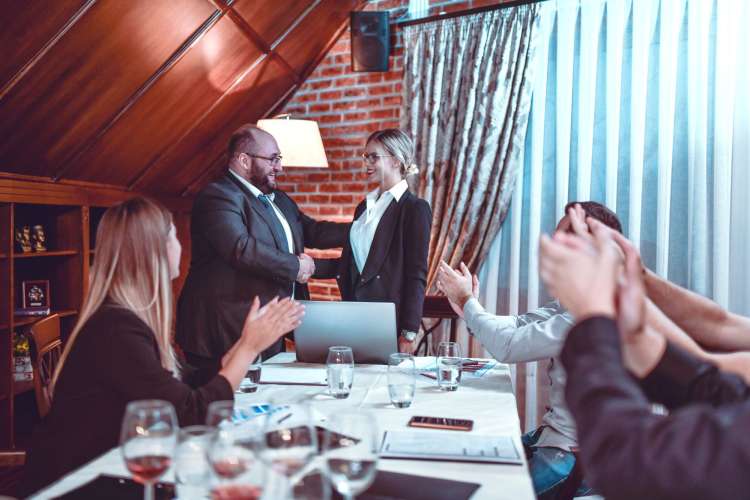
{"x": 170, "y": 107}
{"x": 195, "y": 152}
{"x": 314, "y": 33}
{"x": 30, "y": 27}
{"x": 271, "y": 23}
{"x": 87, "y": 76}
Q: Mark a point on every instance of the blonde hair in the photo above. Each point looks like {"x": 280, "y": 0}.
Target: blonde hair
{"x": 131, "y": 269}
{"x": 399, "y": 145}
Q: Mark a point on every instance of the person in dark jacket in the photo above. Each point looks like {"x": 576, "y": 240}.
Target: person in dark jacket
{"x": 120, "y": 349}
{"x": 617, "y": 366}
{"x": 385, "y": 257}
{"x": 247, "y": 239}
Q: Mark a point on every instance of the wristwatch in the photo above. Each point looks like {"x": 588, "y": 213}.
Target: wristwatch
{"x": 409, "y": 335}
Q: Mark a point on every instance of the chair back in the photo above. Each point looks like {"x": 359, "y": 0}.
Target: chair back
{"x": 45, "y": 334}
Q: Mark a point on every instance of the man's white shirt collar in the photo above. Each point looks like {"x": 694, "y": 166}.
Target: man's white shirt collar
{"x": 256, "y": 192}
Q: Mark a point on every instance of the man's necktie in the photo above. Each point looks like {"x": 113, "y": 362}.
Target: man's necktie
{"x": 275, "y": 222}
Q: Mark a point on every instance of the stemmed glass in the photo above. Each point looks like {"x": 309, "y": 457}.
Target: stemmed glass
{"x": 233, "y": 449}
{"x": 289, "y": 442}
{"x": 148, "y": 438}
{"x": 351, "y": 448}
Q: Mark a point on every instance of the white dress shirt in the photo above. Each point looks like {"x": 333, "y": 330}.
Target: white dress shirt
{"x": 284, "y": 224}
{"x": 363, "y": 229}
{"x": 536, "y": 335}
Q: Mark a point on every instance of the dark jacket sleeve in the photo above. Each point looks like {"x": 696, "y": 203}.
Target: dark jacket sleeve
{"x": 326, "y": 268}
{"x": 418, "y": 224}
{"x": 128, "y": 361}
{"x": 699, "y": 451}
{"x": 220, "y": 219}
{"x": 324, "y": 234}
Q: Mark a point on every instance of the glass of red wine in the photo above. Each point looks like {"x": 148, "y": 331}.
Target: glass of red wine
{"x": 147, "y": 440}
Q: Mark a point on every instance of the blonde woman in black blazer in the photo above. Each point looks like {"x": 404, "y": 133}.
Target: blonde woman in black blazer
{"x": 385, "y": 258}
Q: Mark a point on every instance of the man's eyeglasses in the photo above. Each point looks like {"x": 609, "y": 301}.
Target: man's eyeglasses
{"x": 274, "y": 160}
{"x": 372, "y": 158}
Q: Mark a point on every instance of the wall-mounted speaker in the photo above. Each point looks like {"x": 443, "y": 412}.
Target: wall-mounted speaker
{"x": 371, "y": 36}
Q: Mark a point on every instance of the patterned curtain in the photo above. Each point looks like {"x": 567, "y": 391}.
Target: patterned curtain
{"x": 467, "y": 95}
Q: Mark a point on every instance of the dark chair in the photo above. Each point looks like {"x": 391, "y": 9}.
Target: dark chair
{"x": 45, "y": 336}
{"x": 437, "y": 307}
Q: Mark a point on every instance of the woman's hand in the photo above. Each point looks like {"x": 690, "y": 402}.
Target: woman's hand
{"x": 265, "y": 325}
{"x": 406, "y": 347}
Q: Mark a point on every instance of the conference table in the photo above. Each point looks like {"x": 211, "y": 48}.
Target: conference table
{"x": 488, "y": 401}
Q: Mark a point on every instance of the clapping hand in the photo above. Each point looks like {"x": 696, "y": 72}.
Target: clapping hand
{"x": 264, "y": 325}
{"x": 458, "y": 287}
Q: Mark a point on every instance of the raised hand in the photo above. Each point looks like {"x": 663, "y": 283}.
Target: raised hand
{"x": 264, "y": 325}
{"x": 457, "y": 287}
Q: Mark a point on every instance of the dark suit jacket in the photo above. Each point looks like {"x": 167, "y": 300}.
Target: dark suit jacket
{"x": 236, "y": 255}
{"x": 701, "y": 450}
{"x": 115, "y": 360}
{"x": 396, "y": 267}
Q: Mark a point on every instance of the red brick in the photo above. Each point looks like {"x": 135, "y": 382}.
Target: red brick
{"x": 355, "y": 92}
{"x": 342, "y": 198}
{"x": 333, "y": 71}
{"x": 381, "y": 89}
{"x": 319, "y": 108}
{"x": 319, "y": 198}
{"x": 341, "y": 177}
{"x": 345, "y": 82}
{"x": 394, "y": 100}
{"x": 334, "y": 94}
{"x": 325, "y": 210}
{"x": 318, "y": 177}
{"x": 383, "y": 113}
{"x": 323, "y": 84}
{"x": 370, "y": 78}
{"x": 354, "y": 187}
{"x": 368, "y": 103}
{"x": 307, "y": 187}
{"x": 331, "y": 187}
{"x": 337, "y": 106}
{"x": 352, "y": 117}
{"x": 330, "y": 119}
{"x": 306, "y": 97}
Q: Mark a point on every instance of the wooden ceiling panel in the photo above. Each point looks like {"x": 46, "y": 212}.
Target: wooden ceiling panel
{"x": 175, "y": 102}
{"x": 144, "y": 94}
{"x": 270, "y": 22}
{"x": 29, "y": 25}
{"x": 307, "y": 40}
{"x": 202, "y": 147}
{"x": 87, "y": 76}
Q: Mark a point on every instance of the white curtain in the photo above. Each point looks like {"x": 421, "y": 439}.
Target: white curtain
{"x": 643, "y": 105}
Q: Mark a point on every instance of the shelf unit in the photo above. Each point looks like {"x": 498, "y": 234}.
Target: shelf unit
{"x": 65, "y": 264}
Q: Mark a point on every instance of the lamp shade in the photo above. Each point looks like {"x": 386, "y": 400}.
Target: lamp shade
{"x": 299, "y": 142}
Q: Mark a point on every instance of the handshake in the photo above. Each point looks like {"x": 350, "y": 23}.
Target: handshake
{"x": 306, "y": 268}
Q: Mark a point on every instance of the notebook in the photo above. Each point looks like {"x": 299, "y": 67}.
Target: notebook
{"x": 448, "y": 446}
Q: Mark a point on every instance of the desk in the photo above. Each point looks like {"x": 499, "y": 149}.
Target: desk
{"x": 489, "y": 401}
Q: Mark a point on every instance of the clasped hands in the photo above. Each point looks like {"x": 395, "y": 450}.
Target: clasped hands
{"x": 306, "y": 268}
{"x": 596, "y": 271}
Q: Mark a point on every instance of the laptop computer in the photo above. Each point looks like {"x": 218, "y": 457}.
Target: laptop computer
{"x": 369, "y": 328}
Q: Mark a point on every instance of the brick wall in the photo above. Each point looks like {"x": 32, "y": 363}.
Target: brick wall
{"x": 348, "y": 106}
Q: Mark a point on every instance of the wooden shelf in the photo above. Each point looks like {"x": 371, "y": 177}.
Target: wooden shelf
{"x": 21, "y": 386}
{"x": 50, "y": 253}
{"x": 27, "y": 320}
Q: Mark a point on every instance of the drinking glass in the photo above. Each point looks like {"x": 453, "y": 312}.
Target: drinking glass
{"x": 192, "y": 469}
{"x": 449, "y": 366}
{"x": 219, "y": 413}
{"x": 233, "y": 453}
{"x": 147, "y": 438}
{"x": 351, "y": 451}
{"x": 289, "y": 442}
{"x": 402, "y": 379}
{"x": 251, "y": 380}
{"x": 340, "y": 363}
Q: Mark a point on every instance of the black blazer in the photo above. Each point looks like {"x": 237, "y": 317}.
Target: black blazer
{"x": 396, "y": 267}
{"x": 115, "y": 360}
{"x": 237, "y": 255}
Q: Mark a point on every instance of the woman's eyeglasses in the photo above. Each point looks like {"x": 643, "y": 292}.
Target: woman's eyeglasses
{"x": 372, "y": 158}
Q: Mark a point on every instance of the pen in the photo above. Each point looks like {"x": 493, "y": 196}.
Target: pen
{"x": 429, "y": 375}
{"x": 284, "y": 418}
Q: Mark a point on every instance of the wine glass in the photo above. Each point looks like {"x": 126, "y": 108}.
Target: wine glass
{"x": 289, "y": 441}
{"x": 147, "y": 439}
{"x": 351, "y": 451}
{"x": 219, "y": 413}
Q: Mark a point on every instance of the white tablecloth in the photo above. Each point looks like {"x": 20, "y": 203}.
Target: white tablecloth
{"x": 489, "y": 401}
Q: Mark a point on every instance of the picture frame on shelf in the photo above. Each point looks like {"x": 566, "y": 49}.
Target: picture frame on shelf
{"x": 35, "y": 298}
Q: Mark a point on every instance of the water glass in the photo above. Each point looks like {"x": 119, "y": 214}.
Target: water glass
{"x": 192, "y": 470}
{"x": 449, "y": 366}
{"x": 402, "y": 379}
{"x": 147, "y": 438}
{"x": 340, "y": 363}
{"x": 351, "y": 451}
{"x": 251, "y": 380}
